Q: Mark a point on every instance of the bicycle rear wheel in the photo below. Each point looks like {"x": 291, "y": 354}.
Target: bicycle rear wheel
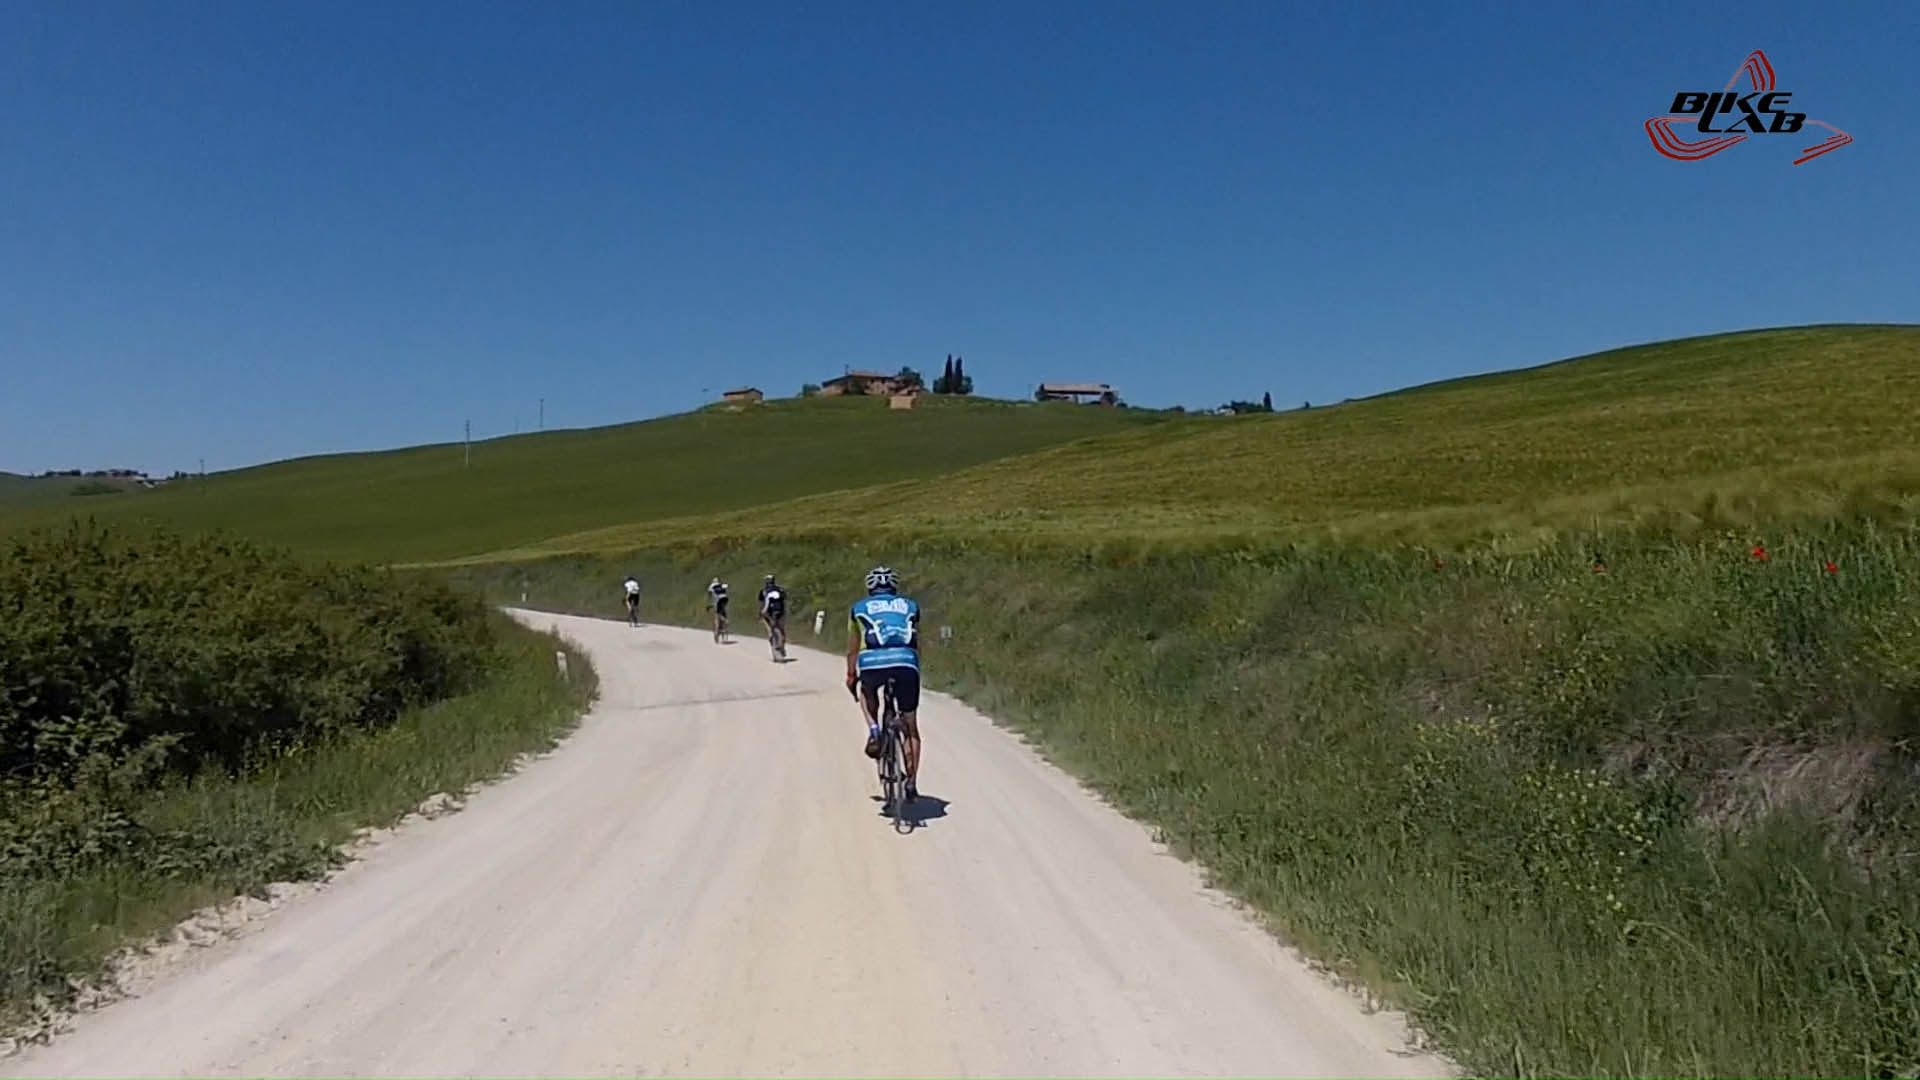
{"x": 895, "y": 750}
{"x": 883, "y": 767}
{"x": 883, "y": 760}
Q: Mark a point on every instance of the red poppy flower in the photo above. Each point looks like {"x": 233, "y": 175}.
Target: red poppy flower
{"x": 1760, "y": 552}
{"x": 1831, "y": 567}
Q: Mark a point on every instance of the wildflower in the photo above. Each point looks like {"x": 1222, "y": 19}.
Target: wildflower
{"x": 1760, "y": 553}
{"x": 1831, "y": 567}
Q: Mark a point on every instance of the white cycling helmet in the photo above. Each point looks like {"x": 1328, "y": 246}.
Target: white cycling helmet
{"x": 881, "y": 578}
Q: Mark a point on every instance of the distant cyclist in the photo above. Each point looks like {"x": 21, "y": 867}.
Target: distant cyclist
{"x": 883, "y": 648}
{"x": 717, "y": 600}
{"x": 633, "y": 600}
{"x": 773, "y": 613}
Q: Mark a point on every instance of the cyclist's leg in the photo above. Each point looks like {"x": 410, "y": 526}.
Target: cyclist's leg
{"x": 870, "y": 682}
{"x": 906, "y": 698}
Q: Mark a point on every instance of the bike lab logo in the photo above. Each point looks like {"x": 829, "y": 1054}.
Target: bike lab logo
{"x": 1729, "y": 117}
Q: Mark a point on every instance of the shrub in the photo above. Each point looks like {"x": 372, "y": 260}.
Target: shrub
{"x": 119, "y": 647}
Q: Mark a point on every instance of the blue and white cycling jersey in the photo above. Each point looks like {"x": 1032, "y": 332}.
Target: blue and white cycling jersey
{"x": 888, "y": 628}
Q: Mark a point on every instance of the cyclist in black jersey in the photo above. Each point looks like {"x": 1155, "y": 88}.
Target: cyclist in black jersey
{"x": 717, "y": 602}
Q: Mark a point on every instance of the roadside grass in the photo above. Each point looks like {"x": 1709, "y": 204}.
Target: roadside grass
{"x": 1687, "y": 437}
{"x": 194, "y": 841}
{"x": 1657, "y": 820}
{"x": 424, "y": 503}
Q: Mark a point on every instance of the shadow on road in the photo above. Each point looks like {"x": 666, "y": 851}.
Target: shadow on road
{"x": 922, "y": 810}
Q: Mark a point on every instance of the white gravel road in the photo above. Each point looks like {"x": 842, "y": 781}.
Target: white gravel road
{"x": 698, "y": 883}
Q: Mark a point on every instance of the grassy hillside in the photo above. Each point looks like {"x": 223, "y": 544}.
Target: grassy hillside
{"x": 22, "y": 491}
{"x": 1702, "y": 433}
{"x": 421, "y": 503}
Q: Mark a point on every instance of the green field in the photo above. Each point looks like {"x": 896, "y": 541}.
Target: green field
{"x": 1730, "y": 430}
{"x": 18, "y": 491}
{"x": 424, "y": 503}
{"x": 1693, "y": 435}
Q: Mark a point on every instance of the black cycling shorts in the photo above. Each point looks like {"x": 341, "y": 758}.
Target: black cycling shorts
{"x": 720, "y": 607}
{"x": 905, "y": 681}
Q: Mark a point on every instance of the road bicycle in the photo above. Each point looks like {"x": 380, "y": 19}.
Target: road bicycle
{"x": 777, "y": 639}
{"x": 891, "y": 761}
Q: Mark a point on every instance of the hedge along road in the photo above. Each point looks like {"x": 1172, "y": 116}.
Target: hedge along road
{"x": 699, "y": 882}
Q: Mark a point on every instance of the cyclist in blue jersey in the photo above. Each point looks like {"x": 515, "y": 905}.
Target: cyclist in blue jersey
{"x": 883, "y": 648}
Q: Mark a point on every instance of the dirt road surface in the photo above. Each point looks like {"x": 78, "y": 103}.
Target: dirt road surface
{"x": 699, "y": 883}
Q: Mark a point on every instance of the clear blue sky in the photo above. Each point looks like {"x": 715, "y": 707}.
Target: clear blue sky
{"x": 245, "y": 231}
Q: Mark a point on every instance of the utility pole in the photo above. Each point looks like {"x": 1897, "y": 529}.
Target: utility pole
{"x": 543, "y": 414}
{"x": 468, "y": 463}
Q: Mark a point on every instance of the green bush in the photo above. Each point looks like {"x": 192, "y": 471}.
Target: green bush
{"x": 162, "y": 653}
{"x": 124, "y": 853}
{"x": 181, "y": 719}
